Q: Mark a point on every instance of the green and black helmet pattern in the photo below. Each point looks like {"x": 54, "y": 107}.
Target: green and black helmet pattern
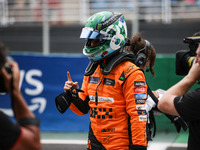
{"x": 109, "y": 28}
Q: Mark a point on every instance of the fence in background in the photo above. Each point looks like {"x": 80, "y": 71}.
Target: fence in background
{"x": 47, "y": 13}
{"x": 77, "y": 11}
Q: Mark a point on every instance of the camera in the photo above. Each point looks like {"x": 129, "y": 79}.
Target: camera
{"x": 185, "y": 58}
{"x": 2, "y": 83}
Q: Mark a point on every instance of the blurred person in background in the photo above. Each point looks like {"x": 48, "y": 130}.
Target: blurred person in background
{"x": 110, "y": 88}
{"x": 178, "y": 101}
{"x": 145, "y": 56}
{"x": 25, "y": 133}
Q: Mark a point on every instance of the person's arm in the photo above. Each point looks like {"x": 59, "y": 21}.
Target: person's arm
{"x": 135, "y": 90}
{"x": 29, "y": 124}
{"x": 166, "y": 104}
{"x": 78, "y": 105}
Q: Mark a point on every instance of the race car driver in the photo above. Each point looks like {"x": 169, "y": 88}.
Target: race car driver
{"x": 113, "y": 86}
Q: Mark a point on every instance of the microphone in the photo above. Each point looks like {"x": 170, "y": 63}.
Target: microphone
{"x": 147, "y": 70}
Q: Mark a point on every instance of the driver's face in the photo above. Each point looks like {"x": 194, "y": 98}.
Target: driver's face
{"x": 198, "y": 54}
{"x": 95, "y": 42}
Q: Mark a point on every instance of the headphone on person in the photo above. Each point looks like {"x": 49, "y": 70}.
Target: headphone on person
{"x": 140, "y": 58}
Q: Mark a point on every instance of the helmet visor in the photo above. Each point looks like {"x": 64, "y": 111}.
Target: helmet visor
{"x": 88, "y": 33}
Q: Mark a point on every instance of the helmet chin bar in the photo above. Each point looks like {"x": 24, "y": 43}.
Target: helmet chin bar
{"x": 112, "y": 61}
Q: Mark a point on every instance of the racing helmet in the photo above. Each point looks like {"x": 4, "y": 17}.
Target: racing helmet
{"x": 109, "y": 29}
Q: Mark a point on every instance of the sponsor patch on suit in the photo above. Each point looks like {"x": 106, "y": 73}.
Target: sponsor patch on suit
{"x": 102, "y": 99}
{"x": 143, "y": 118}
{"x": 139, "y": 83}
{"x": 93, "y": 80}
{"x": 122, "y": 77}
{"x": 140, "y": 107}
{"x": 140, "y": 90}
{"x": 108, "y": 81}
{"x": 141, "y": 112}
{"x": 141, "y": 96}
{"x": 140, "y": 101}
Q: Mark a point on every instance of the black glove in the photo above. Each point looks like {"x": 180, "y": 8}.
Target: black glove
{"x": 64, "y": 100}
{"x": 74, "y": 92}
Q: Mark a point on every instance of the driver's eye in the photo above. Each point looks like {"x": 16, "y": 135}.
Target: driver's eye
{"x": 95, "y": 42}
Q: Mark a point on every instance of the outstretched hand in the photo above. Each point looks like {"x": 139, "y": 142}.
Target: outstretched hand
{"x": 69, "y": 83}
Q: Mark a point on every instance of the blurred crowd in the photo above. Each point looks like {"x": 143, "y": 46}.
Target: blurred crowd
{"x": 60, "y": 10}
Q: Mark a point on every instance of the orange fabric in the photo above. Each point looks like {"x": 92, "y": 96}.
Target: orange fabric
{"x": 116, "y": 102}
{"x": 75, "y": 109}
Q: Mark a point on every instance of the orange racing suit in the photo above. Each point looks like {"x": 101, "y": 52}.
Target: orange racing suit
{"x": 117, "y": 113}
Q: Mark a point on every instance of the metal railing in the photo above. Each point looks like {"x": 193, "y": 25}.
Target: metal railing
{"x": 64, "y": 12}
{"x": 77, "y": 11}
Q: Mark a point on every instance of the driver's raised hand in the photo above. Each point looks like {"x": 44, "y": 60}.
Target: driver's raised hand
{"x": 69, "y": 83}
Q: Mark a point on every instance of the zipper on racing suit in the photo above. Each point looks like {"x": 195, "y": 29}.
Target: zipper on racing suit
{"x": 96, "y": 95}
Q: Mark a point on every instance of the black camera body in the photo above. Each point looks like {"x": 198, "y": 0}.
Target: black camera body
{"x": 185, "y": 58}
{"x": 2, "y": 83}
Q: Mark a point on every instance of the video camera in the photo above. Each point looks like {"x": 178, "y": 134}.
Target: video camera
{"x": 185, "y": 58}
{"x": 2, "y": 83}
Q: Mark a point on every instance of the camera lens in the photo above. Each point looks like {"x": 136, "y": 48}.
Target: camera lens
{"x": 3, "y": 87}
{"x": 184, "y": 60}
